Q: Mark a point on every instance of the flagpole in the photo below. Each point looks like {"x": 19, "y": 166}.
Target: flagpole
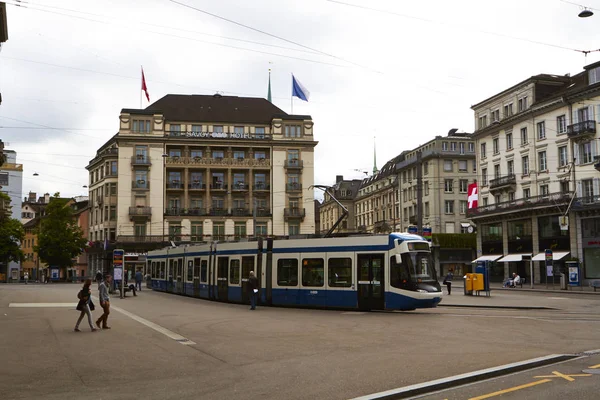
{"x": 142, "y": 70}
{"x": 292, "y": 97}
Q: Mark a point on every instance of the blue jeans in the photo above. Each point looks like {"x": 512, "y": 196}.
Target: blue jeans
{"x": 138, "y": 285}
{"x": 253, "y": 297}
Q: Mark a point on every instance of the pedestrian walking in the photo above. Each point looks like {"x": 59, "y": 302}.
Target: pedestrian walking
{"x": 448, "y": 281}
{"x": 139, "y": 277}
{"x": 26, "y": 277}
{"x": 104, "y": 302}
{"x": 98, "y": 277}
{"x": 85, "y": 305}
{"x": 253, "y": 290}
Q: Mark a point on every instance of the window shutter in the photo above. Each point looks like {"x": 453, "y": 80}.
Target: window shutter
{"x": 596, "y": 188}
{"x": 591, "y": 113}
{"x": 579, "y": 187}
{"x": 576, "y": 154}
{"x": 575, "y": 116}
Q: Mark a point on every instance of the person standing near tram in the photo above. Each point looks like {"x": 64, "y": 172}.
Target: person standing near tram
{"x": 448, "y": 280}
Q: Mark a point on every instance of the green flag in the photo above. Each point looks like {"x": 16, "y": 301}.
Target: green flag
{"x": 269, "y": 92}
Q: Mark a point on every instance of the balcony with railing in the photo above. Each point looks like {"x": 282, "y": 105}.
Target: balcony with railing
{"x": 294, "y": 212}
{"x": 503, "y": 182}
{"x": 591, "y": 202}
{"x": 140, "y": 184}
{"x": 597, "y": 163}
{"x": 530, "y": 203}
{"x": 140, "y": 211}
{"x": 218, "y": 186}
{"x": 261, "y": 186}
{"x": 197, "y": 185}
{"x": 263, "y": 212}
{"x": 178, "y": 211}
{"x": 293, "y": 187}
{"x": 218, "y": 161}
{"x": 175, "y": 185}
{"x": 240, "y": 186}
{"x": 583, "y": 129}
{"x": 218, "y": 212}
{"x": 141, "y": 159}
{"x": 241, "y": 212}
{"x": 294, "y": 164}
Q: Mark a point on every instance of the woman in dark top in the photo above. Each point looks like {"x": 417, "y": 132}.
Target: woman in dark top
{"x": 85, "y": 296}
{"x": 448, "y": 281}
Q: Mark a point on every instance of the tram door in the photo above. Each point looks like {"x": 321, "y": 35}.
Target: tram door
{"x": 170, "y": 271}
{"x": 222, "y": 267}
{"x": 247, "y": 266}
{"x": 180, "y": 277}
{"x": 370, "y": 282}
{"x": 196, "y": 282}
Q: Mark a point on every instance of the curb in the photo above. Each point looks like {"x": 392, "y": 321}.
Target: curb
{"x": 499, "y": 307}
{"x": 469, "y": 377}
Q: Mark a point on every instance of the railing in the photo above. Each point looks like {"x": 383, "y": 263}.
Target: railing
{"x": 241, "y": 212}
{"x": 503, "y": 181}
{"x": 263, "y": 212}
{"x": 140, "y": 184}
{"x": 218, "y": 212}
{"x": 176, "y": 211}
{"x": 293, "y": 163}
{"x": 175, "y": 185}
{"x": 294, "y": 212}
{"x": 203, "y": 161}
{"x": 218, "y": 186}
{"x": 140, "y": 211}
{"x": 551, "y": 199}
{"x": 586, "y": 202}
{"x": 240, "y": 186}
{"x": 581, "y": 128}
{"x": 140, "y": 160}
{"x": 293, "y": 187}
{"x": 197, "y": 186}
{"x": 262, "y": 186}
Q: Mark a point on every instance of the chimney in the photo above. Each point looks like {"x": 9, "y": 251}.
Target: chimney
{"x": 32, "y": 196}
{"x": 339, "y": 178}
{"x": 46, "y": 198}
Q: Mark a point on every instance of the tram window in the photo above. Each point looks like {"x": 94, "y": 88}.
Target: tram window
{"x": 340, "y": 272}
{"x": 203, "y": 271}
{"x": 234, "y": 272}
{"x": 190, "y": 271}
{"x": 287, "y": 272}
{"x": 313, "y": 272}
{"x": 153, "y": 270}
{"x": 162, "y": 269}
{"x": 196, "y": 268}
{"x": 170, "y": 271}
{"x": 399, "y": 275}
{"x": 179, "y": 268}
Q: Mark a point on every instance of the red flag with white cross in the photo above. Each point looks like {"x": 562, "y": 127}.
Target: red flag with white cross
{"x": 473, "y": 196}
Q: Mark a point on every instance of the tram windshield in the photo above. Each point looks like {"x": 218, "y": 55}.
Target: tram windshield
{"x": 419, "y": 265}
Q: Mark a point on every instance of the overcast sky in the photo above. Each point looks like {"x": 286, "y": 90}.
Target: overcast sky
{"x": 400, "y": 71}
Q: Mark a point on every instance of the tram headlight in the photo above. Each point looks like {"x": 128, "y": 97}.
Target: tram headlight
{"x": 422, "y": 291}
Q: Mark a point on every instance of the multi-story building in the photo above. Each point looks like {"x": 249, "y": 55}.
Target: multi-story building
{"x": 537, "y": 159}
{"x": 448, "y": 167}
{"x": 200, "y": 168}
{"x": 11, "y": 183}
{"x": 81, "y": 210}
{"x": 329, "y": 211}
{"x": 376, "y": 205}
{"x": 31, "y": 262}
{"x": 33, "y": 207}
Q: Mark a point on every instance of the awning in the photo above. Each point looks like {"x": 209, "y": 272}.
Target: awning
{"x": 513, "y": 257}
{"x": 555, "y": 256}
{"x": 465, "y": 224}
{"x": 487, "y": 258}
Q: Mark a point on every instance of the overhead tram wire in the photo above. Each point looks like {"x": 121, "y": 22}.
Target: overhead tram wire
{"x": 195, "y": 40}
{"x": 461, "y": 26}
{"x": 274, "y": 36}
{"x": 28, "y": 4}
{"x": 49, "y": 127}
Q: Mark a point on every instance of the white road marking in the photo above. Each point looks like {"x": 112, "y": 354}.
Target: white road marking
{"x": 558, "y": 298}
{"x": 170, "y": 334}
{"x": 42, "y": 305}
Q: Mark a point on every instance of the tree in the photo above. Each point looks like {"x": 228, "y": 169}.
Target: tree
{"x": 59, "y": 238}
{"x": 11, "y": 233}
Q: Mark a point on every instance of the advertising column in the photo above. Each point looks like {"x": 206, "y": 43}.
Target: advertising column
{"x": 118, "y": 255}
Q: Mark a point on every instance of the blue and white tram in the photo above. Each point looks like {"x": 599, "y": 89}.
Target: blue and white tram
{"x": 380, "y": 272}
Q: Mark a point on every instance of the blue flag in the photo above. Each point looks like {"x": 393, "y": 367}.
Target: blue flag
{"x": 299, "y": 90}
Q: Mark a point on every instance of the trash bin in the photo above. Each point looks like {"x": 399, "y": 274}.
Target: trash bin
{"x": 563, "y": 282}
{"x": 478, "y": 283}
{"x": 469, "y": 284}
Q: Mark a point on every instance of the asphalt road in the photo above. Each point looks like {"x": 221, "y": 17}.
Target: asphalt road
{"x": 270, "y": 353}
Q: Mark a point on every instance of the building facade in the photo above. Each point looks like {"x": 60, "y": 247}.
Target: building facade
{"x": 33, "y": 207}
{"x": 201, "y": 168}
{"x": 11, "y": 183}
{"x": 330, "y": 211}
{"x": 537, "y": 158}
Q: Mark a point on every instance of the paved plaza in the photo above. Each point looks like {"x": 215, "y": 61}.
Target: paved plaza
{"x": 171, "y": 347}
